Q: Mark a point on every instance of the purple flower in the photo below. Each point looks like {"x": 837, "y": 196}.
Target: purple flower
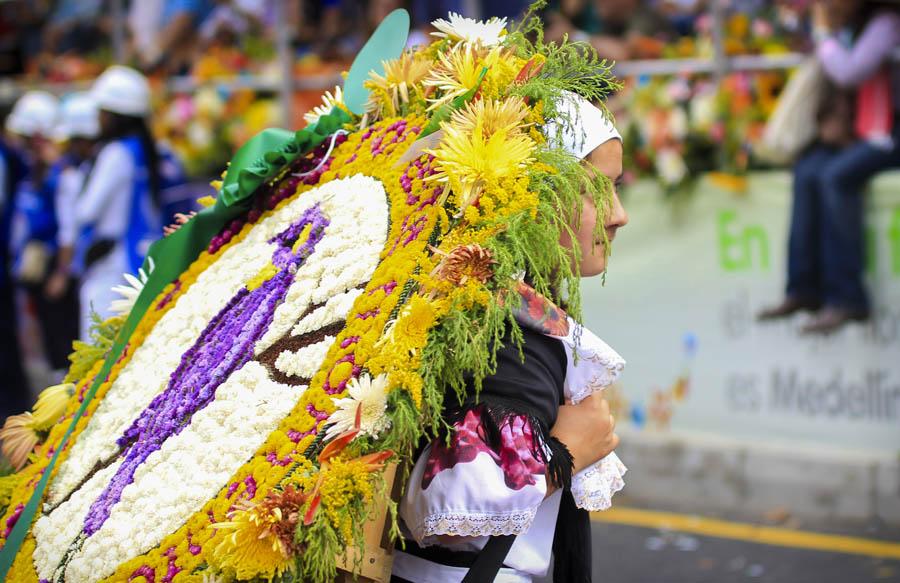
{"x": 222, "y": 348}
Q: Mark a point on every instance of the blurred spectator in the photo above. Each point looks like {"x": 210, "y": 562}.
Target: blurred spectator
{"x": 35, "y": 118}
{"x": 237, "y": 18}
{"x": 144, "y": 25}
{"x": 117, "y": 216}
{"x": 172, "y": 47}
{"x": 78, "y": 130}
{"x": 858, "y": 137}
{"x": 14, "y": 394}
{"x": 618, "y": 29}
{"x": 682, "y": 14}
{"x": 74, "y": 25}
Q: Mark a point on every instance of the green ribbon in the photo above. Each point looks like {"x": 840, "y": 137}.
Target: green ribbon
{"x": 263, "y": 156}
{"x": 257, "y": 161}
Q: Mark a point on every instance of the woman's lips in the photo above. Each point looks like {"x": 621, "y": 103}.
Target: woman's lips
{"x": 610, "y": 235}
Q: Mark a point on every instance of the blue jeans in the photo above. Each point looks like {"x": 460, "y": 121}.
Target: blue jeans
{"x": 826, "y": 246}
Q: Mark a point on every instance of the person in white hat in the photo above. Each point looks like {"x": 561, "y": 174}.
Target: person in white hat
{"x": 31, "y": 124}
{"x": 36, "y": 120}
{"x": 77, "y": 131}
{"x": 14, "y": 393}
{"x": 117, "y": 216}
{"x": 459, "y": 508}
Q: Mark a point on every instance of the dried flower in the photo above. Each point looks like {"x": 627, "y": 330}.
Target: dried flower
{"x": 19, "y": 439}
{"x": 466, "y": 262}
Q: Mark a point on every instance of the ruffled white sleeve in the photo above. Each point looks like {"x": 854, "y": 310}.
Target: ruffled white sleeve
{"x": 592, "y": 366}
{"x": 468, "y": 489}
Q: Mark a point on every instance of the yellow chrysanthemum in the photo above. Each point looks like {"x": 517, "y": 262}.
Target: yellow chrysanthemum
{"x": 19, "y": 439}
{"x": 474, "y": 159}
{"x": 495, "y": 115}
{"x": 51, "y": 404}
{"x": 250, "y": 547}
{"x": 457, "y": 72}
{"x": 401, "y": 76}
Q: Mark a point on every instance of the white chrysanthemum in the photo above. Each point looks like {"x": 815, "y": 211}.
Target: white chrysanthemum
{"x": 130, "y": 292}
{"x": 459, "y": 28}
{"x": 329, "y": 100}
{"x": 371, "y": 395}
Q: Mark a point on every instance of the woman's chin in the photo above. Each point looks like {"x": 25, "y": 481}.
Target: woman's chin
{"x": 593, "y": 268}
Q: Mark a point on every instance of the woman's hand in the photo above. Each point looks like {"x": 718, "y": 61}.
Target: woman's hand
{"x": 56, "y": 286}
{"x": 587, "y": 430}
{"x": 180, "y": 219}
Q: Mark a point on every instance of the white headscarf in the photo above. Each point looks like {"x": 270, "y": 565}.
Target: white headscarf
{"x": 584, "y": 126}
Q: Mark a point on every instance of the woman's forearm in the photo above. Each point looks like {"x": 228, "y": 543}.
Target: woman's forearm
{"x": 849, "y": 67}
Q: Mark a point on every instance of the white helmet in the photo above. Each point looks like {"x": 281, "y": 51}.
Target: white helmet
{"x": 78, "y": 117}
{"x": 34, "y": 113}
{"x": 122, "y": 90}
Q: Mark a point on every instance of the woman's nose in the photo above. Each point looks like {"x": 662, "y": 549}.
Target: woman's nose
{"x": 619, "y": 216}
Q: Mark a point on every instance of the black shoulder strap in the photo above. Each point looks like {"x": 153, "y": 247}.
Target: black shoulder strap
{"x": 490, "y": 559}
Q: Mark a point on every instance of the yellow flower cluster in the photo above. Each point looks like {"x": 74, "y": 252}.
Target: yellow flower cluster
{"x": 250, "y": 548}
{"x": 8, "y": 485}
{"x": 344, "y": 483}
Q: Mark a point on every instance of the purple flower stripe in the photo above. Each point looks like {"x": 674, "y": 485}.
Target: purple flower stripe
{"x": 224, "y": 346}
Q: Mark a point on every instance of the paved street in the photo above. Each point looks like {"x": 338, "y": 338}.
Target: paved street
{"x": 626, "y": 553}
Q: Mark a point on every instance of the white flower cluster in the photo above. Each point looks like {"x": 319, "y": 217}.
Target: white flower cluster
{"x": 343, "y": 260}
{"x": 148, "y": 371}
{"x": 459, "y": 28}
{"x": 193, "y": 466}
{"x": 54, "y": 532}
{"x": 305, "y": 362}
{"x": 333, "y": 311}
{"x": 189, "y": 469}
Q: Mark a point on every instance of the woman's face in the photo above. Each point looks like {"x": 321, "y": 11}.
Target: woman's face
{"x": 607, "y": 160}
{"x": 107, "y": 122}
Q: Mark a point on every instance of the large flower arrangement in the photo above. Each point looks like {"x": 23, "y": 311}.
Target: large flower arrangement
{"x": 241, "y": 431}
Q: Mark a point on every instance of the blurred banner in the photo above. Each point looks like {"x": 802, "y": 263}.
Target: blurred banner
{"x": 686, "y": 279}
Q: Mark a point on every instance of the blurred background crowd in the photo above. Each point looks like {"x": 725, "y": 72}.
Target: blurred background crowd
{"x": 750, "y": 126}
{"x": 182, "y": 45}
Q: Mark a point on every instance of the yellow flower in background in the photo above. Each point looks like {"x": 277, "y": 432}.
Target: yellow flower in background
{"x": 252, "y": 548}
{"x": 51, "y": 404}
{"x": 19, "y": 439}
{"x": 401, "y": 77}
{"x": 457, "y": 72}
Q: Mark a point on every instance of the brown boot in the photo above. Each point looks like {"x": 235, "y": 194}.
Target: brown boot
{"x": 788, "y": 307}
{"x": 832, "y": 319}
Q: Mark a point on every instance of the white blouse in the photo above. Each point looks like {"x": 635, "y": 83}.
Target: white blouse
{"x": 106, "y": 200}
{"x": 474, "y": 499}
